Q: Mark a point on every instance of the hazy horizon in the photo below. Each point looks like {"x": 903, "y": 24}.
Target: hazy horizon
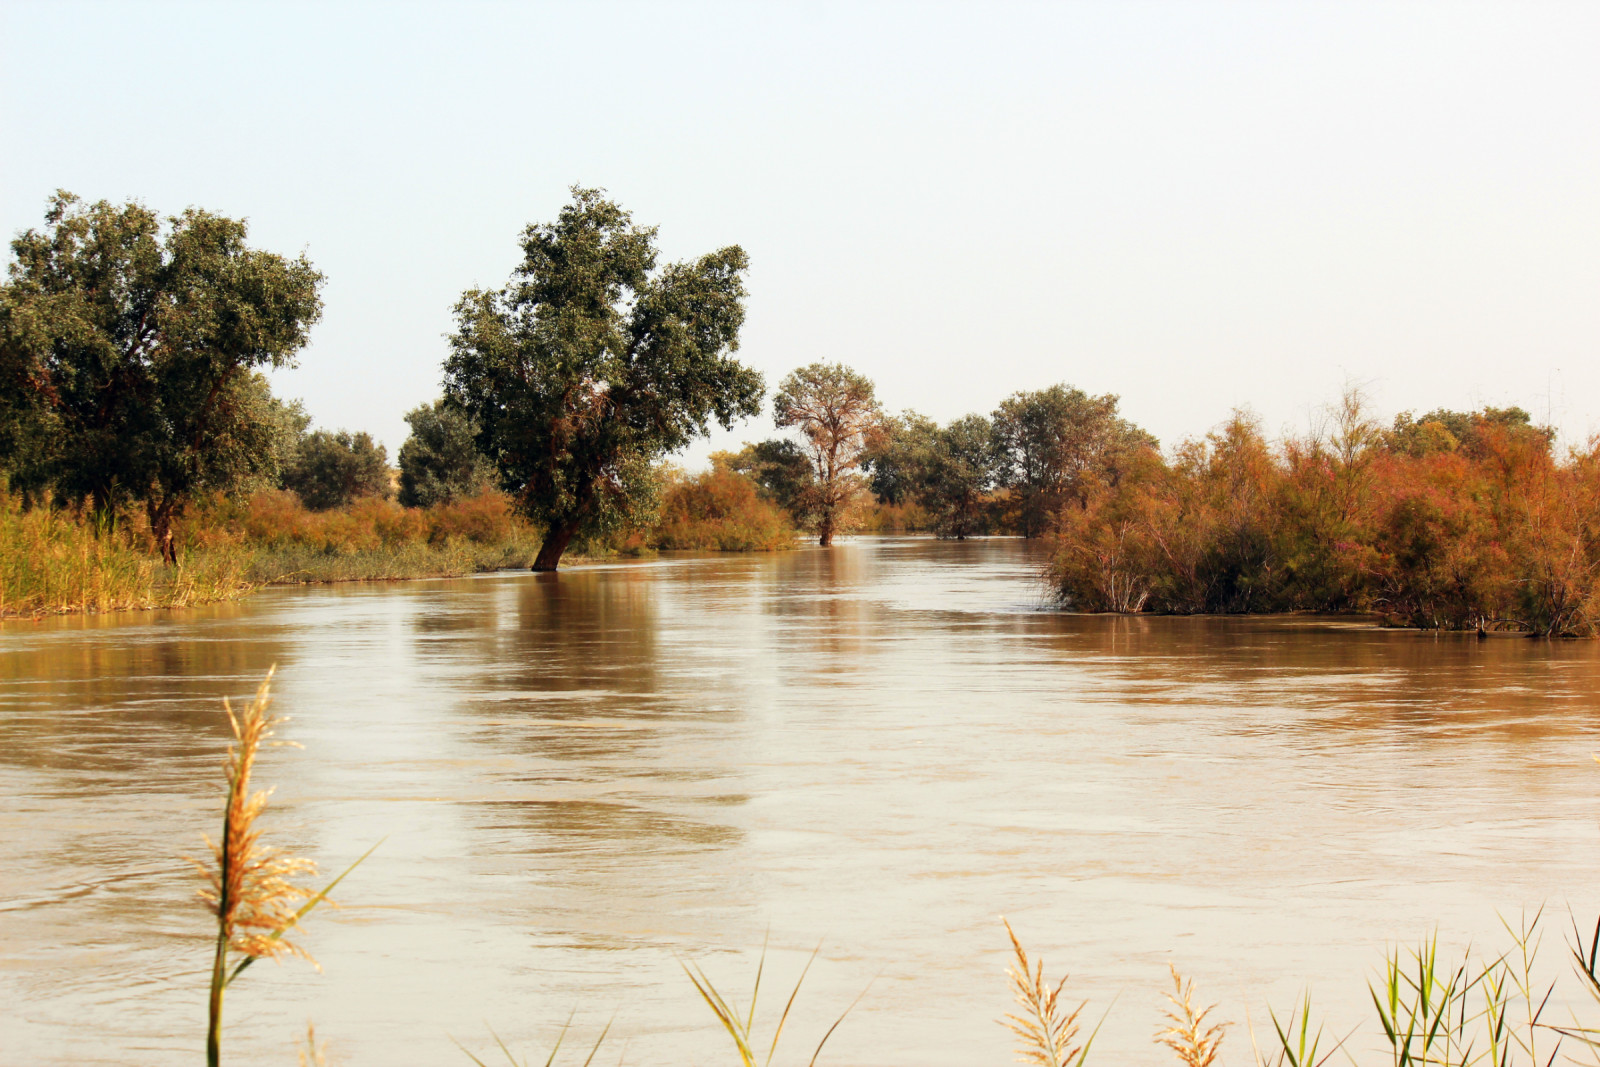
{"x": 1195, "y": 207}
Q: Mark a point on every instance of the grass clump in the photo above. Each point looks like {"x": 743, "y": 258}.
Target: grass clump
{"x": 54, "y": 561}
{"x": 740, "y": 1026}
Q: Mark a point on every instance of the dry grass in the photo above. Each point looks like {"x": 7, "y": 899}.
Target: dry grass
{"x": 313, "y": 1054}
{"x": 54, "y": 562}
{"x": 1195, "y": 1044}
{"x": 251, "y": 887}
{"x": 1047, "y": 1030}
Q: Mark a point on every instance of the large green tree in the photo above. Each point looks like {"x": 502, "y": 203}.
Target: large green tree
{"x": 129, "y": 351}
{"x": 895, "y": 460}
{"x": 782, "y": 469}
{"x": 955, "y": 473}
{"x": 591, "y": 363}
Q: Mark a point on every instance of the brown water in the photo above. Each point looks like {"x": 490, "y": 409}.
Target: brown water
{"x": 584, "y": 779}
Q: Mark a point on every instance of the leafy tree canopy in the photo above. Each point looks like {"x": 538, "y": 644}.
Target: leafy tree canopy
{"x": 330, "y": 470}
{"x": 1055, "y": 444}
{"x": 896, "y": 457}
{"x": 836, "y": 411}
{"x": 781, "y": 469}
{"x": 127, "y": 352}
{"x": 1442, "y": 430}
{"x": 440, "y": 461}
{"x": 956, "y": 471}
{"x": 592, "y": 362}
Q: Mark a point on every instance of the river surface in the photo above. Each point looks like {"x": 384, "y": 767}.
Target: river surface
{"x": 585, "y": 781}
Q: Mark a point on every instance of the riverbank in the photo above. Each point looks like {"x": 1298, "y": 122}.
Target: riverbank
{"x": 55, "y": 561}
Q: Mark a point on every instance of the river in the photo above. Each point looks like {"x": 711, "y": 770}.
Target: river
{"x": 584, "y": 781}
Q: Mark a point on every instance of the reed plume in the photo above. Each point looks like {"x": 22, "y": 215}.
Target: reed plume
{"x": 1195, "y": 1044}
{"x": 1046, "y": 1029}
{"x": 250, "y": 886}
{"x": 311, "y": 1053}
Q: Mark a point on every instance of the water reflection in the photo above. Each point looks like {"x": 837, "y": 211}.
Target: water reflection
{"x": 587, "y": 776}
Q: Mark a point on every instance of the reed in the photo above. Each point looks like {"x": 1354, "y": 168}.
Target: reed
{"x": 1187, "y": 1034}
{"x": 54, "y": 561}
{"x": 1046, "y": 1028}
{"x": 554, "y": 1049}
{"x": 740, "y": 1026}
{"x": 1296, "y": 1044}
{"x": 313, "y": 1054}
{"x": 250, "y": 887}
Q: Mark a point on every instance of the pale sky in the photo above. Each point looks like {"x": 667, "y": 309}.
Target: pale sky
{"x": 1192, "y": 205}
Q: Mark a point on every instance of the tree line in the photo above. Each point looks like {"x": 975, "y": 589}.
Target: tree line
{"x": 132, "y": 358}
{"x": 133, "y": 350}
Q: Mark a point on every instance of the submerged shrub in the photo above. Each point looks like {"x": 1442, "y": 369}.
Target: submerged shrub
{"x": 1465, "y": 523}
{"x": 722, "y": 510}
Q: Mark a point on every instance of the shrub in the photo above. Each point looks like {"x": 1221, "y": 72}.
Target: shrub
{"x": 723, "y": 510}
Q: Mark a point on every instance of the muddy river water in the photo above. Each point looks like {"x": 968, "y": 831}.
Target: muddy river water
{"x": 585, "y": 781}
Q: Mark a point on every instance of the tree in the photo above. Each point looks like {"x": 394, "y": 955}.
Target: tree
{"x": 440, "y": 461}
{"x": 128, "y": 353}
{"x": 1055, "y": 444}
{"x": 591, "y": 363}
{"x": 897, "y": 455}
{"x": 955, "y": 473}
{"x": 781, "y": 469}
{"x": 835, "y": 411}
{"x": 1443, "y": 430}
{"x": 333, "y": 469}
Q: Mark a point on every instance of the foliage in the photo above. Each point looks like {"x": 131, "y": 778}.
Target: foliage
{"x": 1058, "y": 445}
{"x": 372, "y": 538}
{"x": 720, "y": 509}
{"x": 1495, "y": 533}
{"x": 837, "y": 415}
{"x": 1448, "y": 431}
{"x": 440, "y": 461}
{"x": 330, "y": 470}
{"x": 782, "y": 471}
{"x": 895, "y": 458}
{"x": 955, "y": 474}
{"x": 128, "y": 352}
{"x": 592, "y": 363}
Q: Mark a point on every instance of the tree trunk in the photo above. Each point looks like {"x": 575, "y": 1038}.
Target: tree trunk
{"x": 825, "y": 530}
{"x": 161, "y": 516}
{"x": 555, "y": 543}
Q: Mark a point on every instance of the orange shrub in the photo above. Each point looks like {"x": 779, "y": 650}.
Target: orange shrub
{"x": 720, "y": 509}
{"x": 484, "y": 519}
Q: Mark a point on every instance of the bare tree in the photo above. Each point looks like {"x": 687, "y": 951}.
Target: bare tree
{"x": 836, "y": 412}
